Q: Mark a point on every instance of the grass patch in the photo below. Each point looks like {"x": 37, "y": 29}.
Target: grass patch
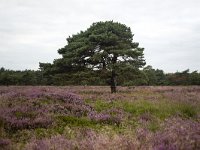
{"x": 153, "y": 126}
{"x": 77, "y": 122}
{"x": 101, "y": 105}
{"x": 140, "y": 107}
{"x": 187, "y": 110}
{"x": 31, "y": 115}
{"x": 41, "y": 132}
{"x": 161, "y": 109}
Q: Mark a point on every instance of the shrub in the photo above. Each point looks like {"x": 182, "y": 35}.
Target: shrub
{"x": 24, "y": 117}
{"x": 178, "y": 134}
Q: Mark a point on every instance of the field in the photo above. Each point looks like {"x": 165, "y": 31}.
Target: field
{"x": 88, "y": 117}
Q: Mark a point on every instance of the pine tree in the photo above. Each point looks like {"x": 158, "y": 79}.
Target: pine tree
{"x": 105, "y": 46}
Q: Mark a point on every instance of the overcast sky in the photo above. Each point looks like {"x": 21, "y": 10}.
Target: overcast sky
{"x": 31, "y": 31}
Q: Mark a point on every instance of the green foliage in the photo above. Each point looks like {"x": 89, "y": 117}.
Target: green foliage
{"x": 104, "y": 46}
{"x": 162, "y": 109}
{"x": 42, "y": 133}
{"x": 101, "y": 105}
{"x": 77, "y": 122}
{"x": 140, "y": 107}
{"x": 126, "y": 76}
{"x": 194, "y": 78}
{"x": 25, "y": 114}
{"x": 188, "y": 111}
{"x": 155, "y": 77}
{"x": 179, "y": 78}
{"x": 103, "y": 54}
{"x": 27, "y": 77}
{"x": 153, "y": 126}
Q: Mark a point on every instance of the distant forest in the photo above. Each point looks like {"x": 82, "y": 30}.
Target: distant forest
{"x": 146, "y": 76}
{"x": 104, "y": 54}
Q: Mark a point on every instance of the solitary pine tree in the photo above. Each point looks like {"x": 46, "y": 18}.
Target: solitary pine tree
{"x": 105, "y": 46}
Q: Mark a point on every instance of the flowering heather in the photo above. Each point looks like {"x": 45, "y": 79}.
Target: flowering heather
{"x": 91, "y": 141}
{"x": 104, "y": 118}
{"x": 24, "y": 117}
{"x": 179, "y": 94}
{"x": 41, "y": 92}
{"x": 28, "y": 115}
{"x": 111, "y": 116}
{"x": 145, "y": 118}
{"x": 143, "y": 137}
{"x": 178, "y": 134}
{"x": 72, "y": 109}
{"x": 4, "y": 144}
{"x": 81, "y": 117}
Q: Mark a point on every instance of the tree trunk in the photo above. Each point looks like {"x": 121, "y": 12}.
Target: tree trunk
{"x": 113, "y": 76}
{"x": 113, "y": 82}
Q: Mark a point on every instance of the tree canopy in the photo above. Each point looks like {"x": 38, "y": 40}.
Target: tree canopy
{"x": 105, "y": 46}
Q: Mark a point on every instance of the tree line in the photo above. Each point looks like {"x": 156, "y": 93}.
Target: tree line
{"x": 103, "y": 54}
{"x": 147, "y": 76}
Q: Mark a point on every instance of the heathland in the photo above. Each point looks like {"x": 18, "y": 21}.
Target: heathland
{"x": 90, "y": 117}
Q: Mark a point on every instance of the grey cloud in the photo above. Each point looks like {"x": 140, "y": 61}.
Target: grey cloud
{"x": 32, "y": 31}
